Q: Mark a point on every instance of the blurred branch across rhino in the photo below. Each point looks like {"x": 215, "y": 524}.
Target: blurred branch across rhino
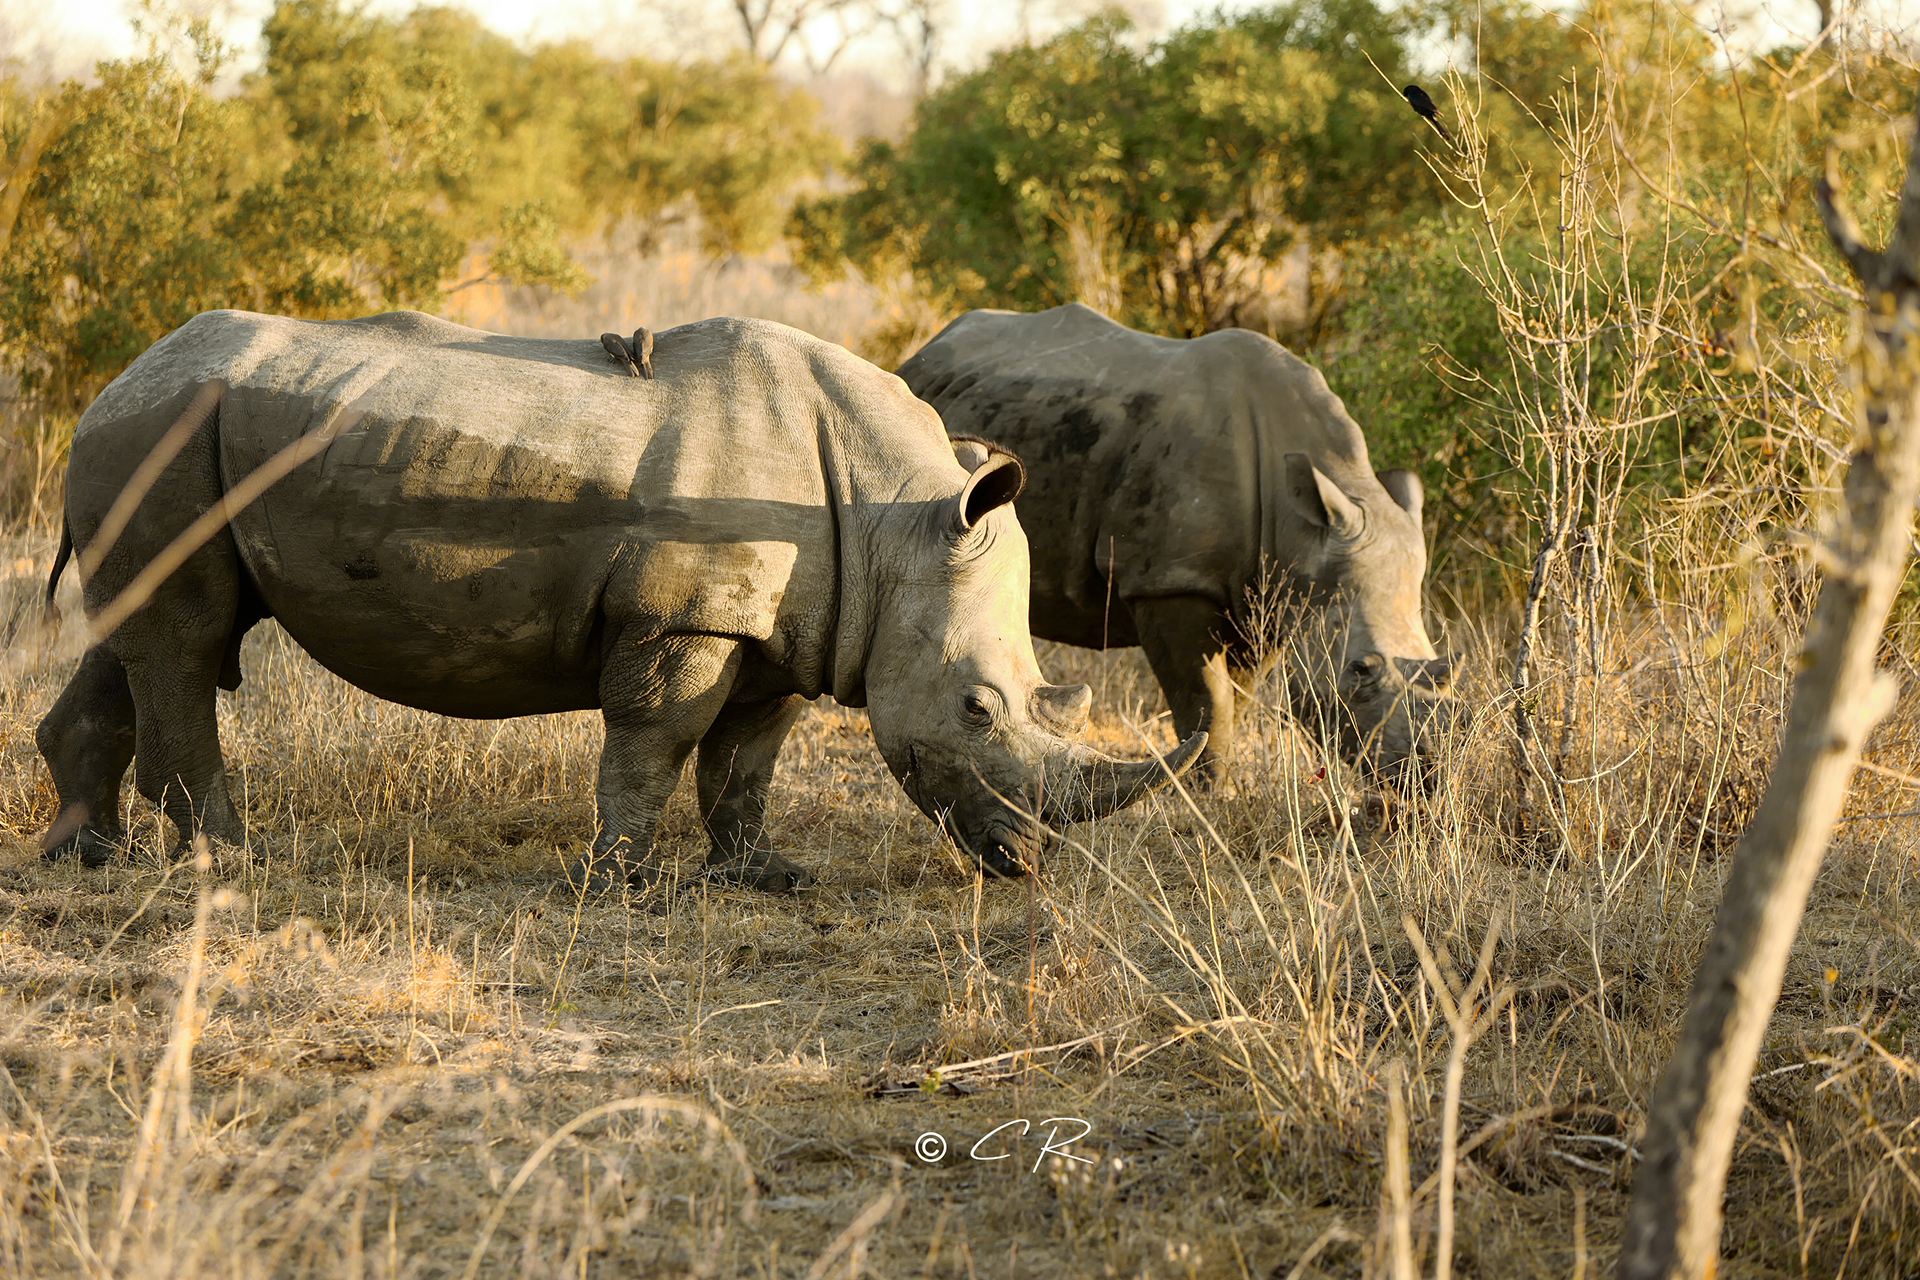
{"x": 212, "y": 521}
{"x": 146, "y": 474}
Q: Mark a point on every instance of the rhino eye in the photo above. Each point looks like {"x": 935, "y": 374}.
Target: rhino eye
{"x": 976, "y": 707}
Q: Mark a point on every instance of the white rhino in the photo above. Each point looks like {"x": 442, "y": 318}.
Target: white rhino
{"x": 511, "y": 526}
{"x": 1164, "y": 478}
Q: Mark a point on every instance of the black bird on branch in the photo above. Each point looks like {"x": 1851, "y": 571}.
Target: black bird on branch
{"x": 1423, "y": 107}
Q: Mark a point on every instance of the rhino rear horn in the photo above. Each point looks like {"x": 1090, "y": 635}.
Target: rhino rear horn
{"x": 1094, "y": 786}
{"x": 1404, "y": 487}
{"x": 1319, "y": 500}
{"x": 1065, "y": 707}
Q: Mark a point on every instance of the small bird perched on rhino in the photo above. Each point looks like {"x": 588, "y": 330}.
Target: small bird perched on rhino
{"x": 637, "y": 355}
{"x": 1424, "y": 108}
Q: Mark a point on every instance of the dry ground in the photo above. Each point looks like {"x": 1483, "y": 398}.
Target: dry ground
{"x": 397, "y": 1045}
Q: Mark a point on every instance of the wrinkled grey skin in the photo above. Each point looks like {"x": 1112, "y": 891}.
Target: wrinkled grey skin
{"x": 511, "y": 526}
{"x": 1162, "y": 475}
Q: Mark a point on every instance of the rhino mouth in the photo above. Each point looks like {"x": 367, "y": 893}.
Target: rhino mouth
{"x": 1001, "y": 849}
{"x": 1001, "y": 853}
{"x": 1414, "y": 772}
{"x": 1408, "y": 762}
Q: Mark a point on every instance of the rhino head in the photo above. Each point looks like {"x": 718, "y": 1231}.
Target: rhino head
{"x": 978, "y": 739}
{"x": 1364, "y": 666}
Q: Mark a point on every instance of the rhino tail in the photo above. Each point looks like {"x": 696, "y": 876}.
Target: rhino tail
{"x": 60, "y": 558}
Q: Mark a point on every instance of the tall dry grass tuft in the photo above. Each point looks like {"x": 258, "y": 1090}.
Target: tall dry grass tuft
{"x": 33, "y": 456}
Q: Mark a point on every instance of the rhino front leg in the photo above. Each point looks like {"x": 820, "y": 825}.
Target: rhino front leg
{"x": 87, "y": 741}
{"x": 1185, "y": 642}
{"x": 735, "y": 774}
{"x": 658, "y": 697}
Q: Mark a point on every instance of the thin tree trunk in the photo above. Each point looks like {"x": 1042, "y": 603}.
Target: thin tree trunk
{"x": 1524, "y": 743}
{"x": 1674, "y": 1219}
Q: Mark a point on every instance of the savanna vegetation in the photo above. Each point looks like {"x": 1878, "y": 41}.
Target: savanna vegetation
{"x": 363, "y": 165}
{"x": 1600, "y": 317}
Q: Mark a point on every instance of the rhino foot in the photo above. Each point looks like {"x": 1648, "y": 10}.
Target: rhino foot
{"x": 613, "y": 869}
{"x": 93, "y": 849}
{"x": 1216, "y": 785}
{"x": 761, "y": 869}
{"x": 248, "y": 848}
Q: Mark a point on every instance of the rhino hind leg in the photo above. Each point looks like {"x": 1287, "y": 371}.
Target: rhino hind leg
{"x": 175, "y": 652}
{"x": 177, "y": 762}
{"x": 87, "y": 741}
{"x": 735, "y": 775}
{"x": 659, "y": 697}
{"x": 1184, "y": 639}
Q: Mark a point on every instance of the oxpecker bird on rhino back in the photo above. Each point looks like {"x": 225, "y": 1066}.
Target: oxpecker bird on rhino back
{"x": 511, "y": 526}
{"x": 1170, "y": 481}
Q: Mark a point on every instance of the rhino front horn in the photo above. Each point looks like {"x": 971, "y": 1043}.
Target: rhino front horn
{"x": 1094, "y": 785}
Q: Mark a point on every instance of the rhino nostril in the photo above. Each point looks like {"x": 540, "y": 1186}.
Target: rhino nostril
{"x": 1426, "y": 673}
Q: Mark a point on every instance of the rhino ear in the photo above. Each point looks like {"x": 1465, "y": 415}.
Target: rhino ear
{"x": 1319, "y": 500}
{"x": 994, "y": 483}
{"x": 1404, "y": 487}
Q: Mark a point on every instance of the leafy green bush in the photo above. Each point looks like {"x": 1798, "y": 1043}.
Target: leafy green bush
{"x": 116, "y": 237}
{"x": 355, "y": 172}
{"x": 1410, "y": 354}
{"x": 1154, "y": 184}
{"x": 1419, "y": 355}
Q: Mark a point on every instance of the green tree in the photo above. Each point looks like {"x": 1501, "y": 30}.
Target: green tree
{"x": 1157, "y": 185}
{"x": 724, "y": 139}
{"x": 354, "y": 172}
{"x": 1711, "y": 240}
{"x": 380, "y": 130}
{"x": 117, "y": 237}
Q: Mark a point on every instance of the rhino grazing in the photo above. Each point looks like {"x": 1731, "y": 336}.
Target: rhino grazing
{"x": 509, "y": 526}
{"x": 1164, "y": 478}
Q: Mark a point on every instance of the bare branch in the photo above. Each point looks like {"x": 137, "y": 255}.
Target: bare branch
{"x": 1842, "y": 227}
{"x": 771, "y": 27}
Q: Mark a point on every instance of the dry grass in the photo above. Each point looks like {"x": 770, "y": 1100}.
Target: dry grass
{"x": 398, "y": 1045}
{"x": 351, "y": 1056}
